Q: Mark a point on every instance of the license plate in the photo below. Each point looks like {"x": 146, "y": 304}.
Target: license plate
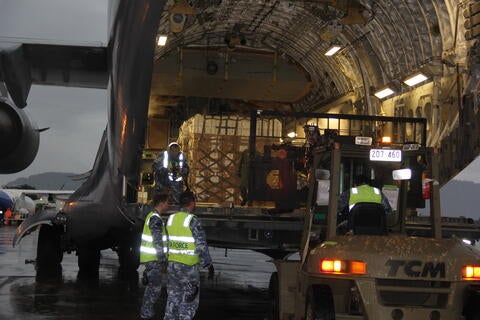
{"x": 386, "y": 155}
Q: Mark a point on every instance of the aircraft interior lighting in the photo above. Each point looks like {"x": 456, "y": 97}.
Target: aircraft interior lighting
{"x": 162, "y": 40}
{"x": 332, "y": 50}
{"x": 380, "y": 94}
{"x": 415, "y": 79}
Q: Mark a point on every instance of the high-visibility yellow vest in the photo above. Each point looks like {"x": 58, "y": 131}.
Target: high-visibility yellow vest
{"x": 147, "y": 249}
{"x": 364, "y": 193}
{"x": 169, "y": 164}
{"x": 181, "y": 244}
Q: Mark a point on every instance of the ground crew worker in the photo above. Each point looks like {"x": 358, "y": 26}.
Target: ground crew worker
{"x": 243, "y": 172}
{"x": 361, "y": 192}
{"x": 8, "y": 216}
{"x": 153, "y": 255}
{"x": 170, "y": 171}
{"x": 187, "y": 251}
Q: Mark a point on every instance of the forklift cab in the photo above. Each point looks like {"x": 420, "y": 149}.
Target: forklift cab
{"x": 397, "y": 172}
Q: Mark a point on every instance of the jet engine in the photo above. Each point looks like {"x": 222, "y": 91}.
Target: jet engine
{"x": 19, "y": 138}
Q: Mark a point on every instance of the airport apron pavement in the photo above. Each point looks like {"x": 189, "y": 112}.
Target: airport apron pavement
{"x": 238, "y": 290}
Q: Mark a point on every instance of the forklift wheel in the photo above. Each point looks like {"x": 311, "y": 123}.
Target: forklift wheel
{"x": 274, "y": 312}
{"x": 471, "y": 310}
{"x": 319, "y": 304}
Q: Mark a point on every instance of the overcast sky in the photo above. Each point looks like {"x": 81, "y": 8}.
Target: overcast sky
{"x": 76, "y": 117}
{"x": 55, "y": 21}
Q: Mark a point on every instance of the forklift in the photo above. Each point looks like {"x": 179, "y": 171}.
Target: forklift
{"x": 401, "y": 266}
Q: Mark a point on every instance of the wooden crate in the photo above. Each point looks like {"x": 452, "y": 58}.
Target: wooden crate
{"x": 213, "y": 146}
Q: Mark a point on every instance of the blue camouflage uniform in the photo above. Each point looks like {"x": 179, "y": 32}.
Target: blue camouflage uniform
{"x": 170, "y": 173}
{"x": 154, "y": 269}
{"x": 183, "y": 286}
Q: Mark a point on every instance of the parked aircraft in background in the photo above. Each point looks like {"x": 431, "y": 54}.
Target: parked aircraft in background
{"x": 20, "y": 200}
{"x": 16, "y": 200}
{"x": 166, "y": 61}
{"x": 6, "y": 203}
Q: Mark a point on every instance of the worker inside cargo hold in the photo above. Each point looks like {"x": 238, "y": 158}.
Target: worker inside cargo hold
{"x": 171, "y": 172}
{"x": 286, "y": 197}
{"x": 244, "y": 171}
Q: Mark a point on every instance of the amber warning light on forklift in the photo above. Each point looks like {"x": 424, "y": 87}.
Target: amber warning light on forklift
{"x": 386, "y": 140}
{"x": 471, "y": 273}
{"x": 342, "y": 266}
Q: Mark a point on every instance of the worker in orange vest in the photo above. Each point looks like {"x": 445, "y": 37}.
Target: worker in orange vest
{"x": 8, "y": 216}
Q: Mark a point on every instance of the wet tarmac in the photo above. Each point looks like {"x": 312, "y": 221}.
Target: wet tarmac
{"x": 239, "y": 289}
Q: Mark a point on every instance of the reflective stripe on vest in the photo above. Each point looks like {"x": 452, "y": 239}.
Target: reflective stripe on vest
{"x": 165, "y": 159}
{"x": 181, "y": 243}
{"x": 147, "y": 249}
{"x": 180, "y": 158}
{"x": 167, "y": 164}
{"x": 171, "y": 178}
{"x": 364, "y": 193}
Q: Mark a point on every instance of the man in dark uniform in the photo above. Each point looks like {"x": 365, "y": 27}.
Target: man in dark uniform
{"x": 170, "y": 171}
{"x": 153, "y": 255}
{"x": 187, "y": 251}
{"x": 361, "y": 192}
{"x": 244, "y": 171}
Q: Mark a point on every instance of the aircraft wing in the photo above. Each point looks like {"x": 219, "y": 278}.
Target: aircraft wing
{"x": 18, "y": 192}
{"x": 55, "y": 192}
{"x": 63, "y": 64}
{"x": 17, "y": 195}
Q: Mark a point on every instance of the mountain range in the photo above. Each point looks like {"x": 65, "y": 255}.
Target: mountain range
{"x": 47, "y": 181}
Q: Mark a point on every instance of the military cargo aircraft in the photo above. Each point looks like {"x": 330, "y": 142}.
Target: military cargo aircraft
{"x": 168, "y": 60}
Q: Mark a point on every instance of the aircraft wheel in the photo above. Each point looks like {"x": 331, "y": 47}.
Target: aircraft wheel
{"x": 319, "y": 304}
{"x": 274, "y": 312}
{"x": 49, "y": 253}
{"x": 129, "y": 258}
{"x": 88, "y": 262}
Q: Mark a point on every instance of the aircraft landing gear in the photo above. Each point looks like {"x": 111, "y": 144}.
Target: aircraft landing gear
{"x": 129, "y": 256}
{"x": 88, "y": 262}
{"x": 49, "y": 253}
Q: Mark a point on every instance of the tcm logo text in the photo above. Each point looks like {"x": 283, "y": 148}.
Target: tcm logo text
{"x": 416, "y": 268}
